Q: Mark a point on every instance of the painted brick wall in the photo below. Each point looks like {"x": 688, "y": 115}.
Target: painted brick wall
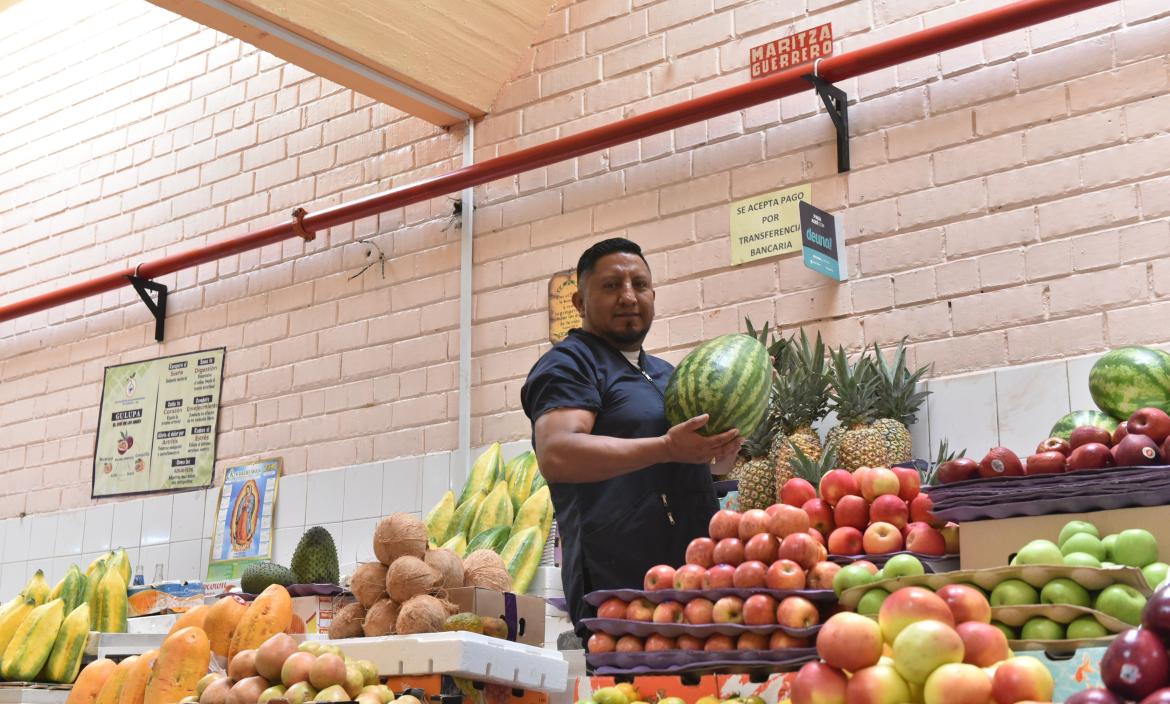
{"x": 1008, "y": 204}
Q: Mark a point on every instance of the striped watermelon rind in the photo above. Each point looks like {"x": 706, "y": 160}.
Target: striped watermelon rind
{"x": 728, "y": 378}
{"x": 1129, "y": 378}
{"x": 1064, "y": 427}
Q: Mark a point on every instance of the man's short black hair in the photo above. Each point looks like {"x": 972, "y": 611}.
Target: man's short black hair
{"x": 611, "y": 246}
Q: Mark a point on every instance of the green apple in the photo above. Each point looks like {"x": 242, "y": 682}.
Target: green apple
{"x": 1155, "y": 573}
{"x": 903, "y": 566}
{"x": 610, "y": 695}
{"x": 1086, "y": 627}
{"x": 852, "y": 576}
{"x": 1135, "y": 547}
{"x": 1008, "y": 632}
{"x": 1014, "y": 592}
{"x": 871, "y": 601}
{"x": 1122, "y": 602}
{"x": 1073, "y": 527}
{"x": 1109, "y": 541}
{"x": 1040, "y": 628}
{"x": 1083, "y": 542}
{"x": 1039, "y": 552}
{"x": 1064, "y": 591}
{"x": 1081, "y": 559}
{"x": 879, "y": 575}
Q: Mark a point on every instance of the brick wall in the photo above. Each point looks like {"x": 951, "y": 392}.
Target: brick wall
{"x": 1008, "y": 204}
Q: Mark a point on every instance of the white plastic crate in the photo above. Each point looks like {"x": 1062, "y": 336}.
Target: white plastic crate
{"x": 20, "y": 694}
{"x": 463, "y": 654}
{"x": 104, "y": 645}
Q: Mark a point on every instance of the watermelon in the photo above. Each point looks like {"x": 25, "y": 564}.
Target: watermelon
{"x": 1130, "y": 378}
{"x": 1065, "y": 426}
{"x": 728, "y": 378}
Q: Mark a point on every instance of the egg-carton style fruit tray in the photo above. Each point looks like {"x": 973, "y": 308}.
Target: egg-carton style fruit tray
{"x": 643, "y": 629}
{"x": 673, "y": 662}
{"x": 932, "y": 563}
{"x": 462, "y": 654}
{"x": 1044, "y": 494}
{"x": 1091, "y": 578}
{"x": 1016, "y": 616}
{"x": 817, "y": 596}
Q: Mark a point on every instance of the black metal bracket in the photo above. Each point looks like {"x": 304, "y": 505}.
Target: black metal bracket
{"x": 159, "y": 309}
{"x": 837, "y": 104}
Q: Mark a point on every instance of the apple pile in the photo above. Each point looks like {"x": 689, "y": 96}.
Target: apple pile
{"x": 1136, "y": 667}
{"x": 944, "y": 651}
{"x": 628, "y": 693}
{"x": 872, "y": 511}
{"x": 1080, "y": 545}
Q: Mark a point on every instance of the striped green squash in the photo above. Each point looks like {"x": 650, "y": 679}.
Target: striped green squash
{"x": 1130, "y": 378}
{"x": 1072, "y": 421}
{"x": 728, "y": 378}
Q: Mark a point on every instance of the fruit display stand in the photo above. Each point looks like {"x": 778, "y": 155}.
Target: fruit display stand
{"x": 771, "y": 688}
{"x": 30, "y": 693}
{"x": 119, "y": 645}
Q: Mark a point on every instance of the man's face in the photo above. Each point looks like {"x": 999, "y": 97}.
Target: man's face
{"x": 616, "y": 300}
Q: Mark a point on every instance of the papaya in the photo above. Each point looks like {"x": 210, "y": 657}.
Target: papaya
{"x": 90, "y": 681}
{"x": 496, "y": 510}
{"x": 487, "y": 469}
{"x": 71, "y": 589}
{"x": 457, "y": 544}
{"x": 111, "y": 691}
{"x": 69, "y": 647}
{"x": 222, "y": 618}
{"x": 191, "y": 617}
{"x": 464, "y": 515}
{"x": 121, "y": 562}
{"x": 37, "y": 588}
{"x": 98, "y": 565}
{"x": 12, "y": 619}
{"x": 111, "y": 602}
{"x": 439, "y": 519}
{"x": 268, "y": 614}
{"x": 522, "y": 556}
{"x": 32, "y": 642}
{"x": 536, "y": 511}
{"x": 522, "y": 474}
{"x": 93, "y": 576}
{"x": 182, "y": 662}
{"x": 493, "y": 539}
{"x": 134, "y": 688}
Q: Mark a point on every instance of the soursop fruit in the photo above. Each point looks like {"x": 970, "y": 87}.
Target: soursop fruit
{"x": 315, "y": 559}
{"x": 258, "y": 576}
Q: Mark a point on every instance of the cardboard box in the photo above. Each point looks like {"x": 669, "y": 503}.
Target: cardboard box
{"x": 523, "y": 614}
{"x": 985, "y": 544}
{"x": 317, "y": 611}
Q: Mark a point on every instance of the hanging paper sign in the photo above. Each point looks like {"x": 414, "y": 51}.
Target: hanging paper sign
{"x": 243, "y": 519}
{"x": 767, "y": 225}
{"x": 795, "y": 49}
{"x": 562, "y": 314}
{"x": 824, "y": 245}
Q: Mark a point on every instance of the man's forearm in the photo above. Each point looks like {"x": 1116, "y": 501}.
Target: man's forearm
{"x": 575, "y": 458}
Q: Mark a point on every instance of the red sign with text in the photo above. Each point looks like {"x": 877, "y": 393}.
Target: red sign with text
{"x": 793, "y": 50}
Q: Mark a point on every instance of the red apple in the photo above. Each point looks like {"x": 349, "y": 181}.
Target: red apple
{"x": 920, "y": 510}
{"x": 751, "y": 641}
{"x": 759, "y": 610}
{"x": 889, "y": 508}
{"x": 1135, "y": 664}
{"x": 719, "y": 642}
{"x": 966, "y": 603}
{"x": 1165, "y": 448}
{"x": 1151, "y": 422}
{"x": 909, "y": 482}
{"x": 689, "y": 577}
{"x": 837, "y": 483}
{"x": 797, "y": 612}
{"x": 787, "y": 520}
{"x": 873, "y": 569}
{"x": 753, "y": 522}
{"x": 1095, "y": 695}
{"x": 1054, "y": 445}
{"x": 612, "y": 608}
{"x": 1085, "y": 434}
{"x": 698, "y": 611}
{"x": 601, "y": 643}
{"x": 1136, "y": 451}
{"x": 1000, "y": 462}
{"x": 796, "y": 492}
{"x": 959, "y": 469}
{"x": 784, "y": 574}
{"x": 850, "y": 642}
{"x": 724, "y": 524}
{"x": 1045, "y": 463}
{"x": 780, "y": 640}
{"x": 659, "y": 577}
{"x": 910, "y": 605}
{"x": 820, "y": 515}
{"x": 881, "y": 538}
{"x": 958, "y": 683}
{"x": 911, "y": 526}
{"x": 729, "y": 551}
{"x": 1022, "y": 679}
{"x": 1118, "y": 433}
{"x": 818, "y": 683}
{"x": 852, "y": 512}
{"x": 845, "y": 541}
{"x": 983, "y": 644}
{"x": 801, "y": 549}
{"x": 719, "y": 577}
{"x": 729, "y": 609}
{"x": 925, "y": 540}
{"x": 750, "y": 575}
{"x": 879, "y": 481}
{"x": 762, "y": 547}
{"x": 688, "y": 642}
{"x": 821, "y": 575}
{"x": 658, "y": 642}
{"x": 630, "y": 644}
{"x": 640, "y": 610}
{"x": 817, "y": 536}
{"x": 701, "y": 552}
{"x": 822, "y": 551}
{"x": 1093, "y": 455}
{"x": 1156, "y": 614}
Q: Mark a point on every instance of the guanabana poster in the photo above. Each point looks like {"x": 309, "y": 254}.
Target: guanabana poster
{"x": 243, "y": 519}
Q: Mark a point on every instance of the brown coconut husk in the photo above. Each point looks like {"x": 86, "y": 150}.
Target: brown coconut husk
{"x": 381, "y": 618}
{"x": 448, "y": 565}
{"x": 398, "y": 535}
{"x": 347, "y": 622}
{"x": 368, "y": 583}
{"x": 409, "y": 577}
{"x": 422, "y": 614}
{"x": 485, "y": 569}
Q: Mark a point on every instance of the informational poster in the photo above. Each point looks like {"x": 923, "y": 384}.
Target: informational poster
{"x": 243, "y": 519}
{"x": 767, "y": 225}
{"x": 562, "y": 314}
{"x": 824, "y": 246}
{"x": 156, "y": 424}
{"x": 793, "y": 50}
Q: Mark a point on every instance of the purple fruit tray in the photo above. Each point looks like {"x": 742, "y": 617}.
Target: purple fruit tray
{"x": 933, "y": 563}
{"x": 1045, "y": 494}
{"x": 643, "y": 629}
{"x": 298, "y": 590}
{"x": 673, "y": 662}
{"x": 683, "y": 596}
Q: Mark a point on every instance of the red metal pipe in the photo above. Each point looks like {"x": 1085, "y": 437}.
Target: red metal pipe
{"x": 835, "y": 68}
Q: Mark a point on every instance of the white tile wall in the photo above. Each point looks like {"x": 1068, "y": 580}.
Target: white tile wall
{"x": 1030, "y": 399}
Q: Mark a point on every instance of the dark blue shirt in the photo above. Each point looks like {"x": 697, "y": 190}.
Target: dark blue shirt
{"x": 614, "y": 530}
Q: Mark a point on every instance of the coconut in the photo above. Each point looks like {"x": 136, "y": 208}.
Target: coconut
{"x": 410, "y": 576}
{"x": 422, "y": 614}
{"x": 400, "y": 534}
{"x": 368, "y": 583}
{"x": 347, "y": 622}
{"x": 448, "y": 565}
{"x": 380, "y": 618}
{"x": 484, "y": 568}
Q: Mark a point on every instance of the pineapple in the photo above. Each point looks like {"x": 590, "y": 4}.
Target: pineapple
{"x": 754, "y": 469}
{"x": 812, "y": 469}
{"x": 801, "y": 393}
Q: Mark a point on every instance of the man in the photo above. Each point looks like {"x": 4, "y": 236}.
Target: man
{"x": 630, "y": 492}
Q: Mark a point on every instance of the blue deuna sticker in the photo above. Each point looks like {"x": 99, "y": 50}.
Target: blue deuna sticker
{"x": 824, "y": 247}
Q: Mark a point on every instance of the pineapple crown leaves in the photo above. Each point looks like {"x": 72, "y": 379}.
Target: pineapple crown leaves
{"x": 854, "y": 387}
{"x": 767, "y": 338}
{"x": 944, "y": 455}
{"x": 899, "y": 397}
{"x": 809, "y": 469}
{"x": 802, "y": 383}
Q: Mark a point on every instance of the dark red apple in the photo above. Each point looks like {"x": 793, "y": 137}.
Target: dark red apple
{"x": 1166, "y": 448}
{"x": 1085, "y": 434}
{"x": 1054, "y": 445}
{"x": 1135, "y": 664}
{"x": 1161, "y": 696}
{"x": 1091, "y": 456}
{"x": 1151, "y": 422}
{"x": 1119, "y": 432}
{"x": 1156, "y": 614}
{"x": 957, "y": 470}
{"x": 1096, "y": 695}
{"x": 1136, "y": 451}
{"x": 1001, "y": 462}
{"x": 1046, "y": 463}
